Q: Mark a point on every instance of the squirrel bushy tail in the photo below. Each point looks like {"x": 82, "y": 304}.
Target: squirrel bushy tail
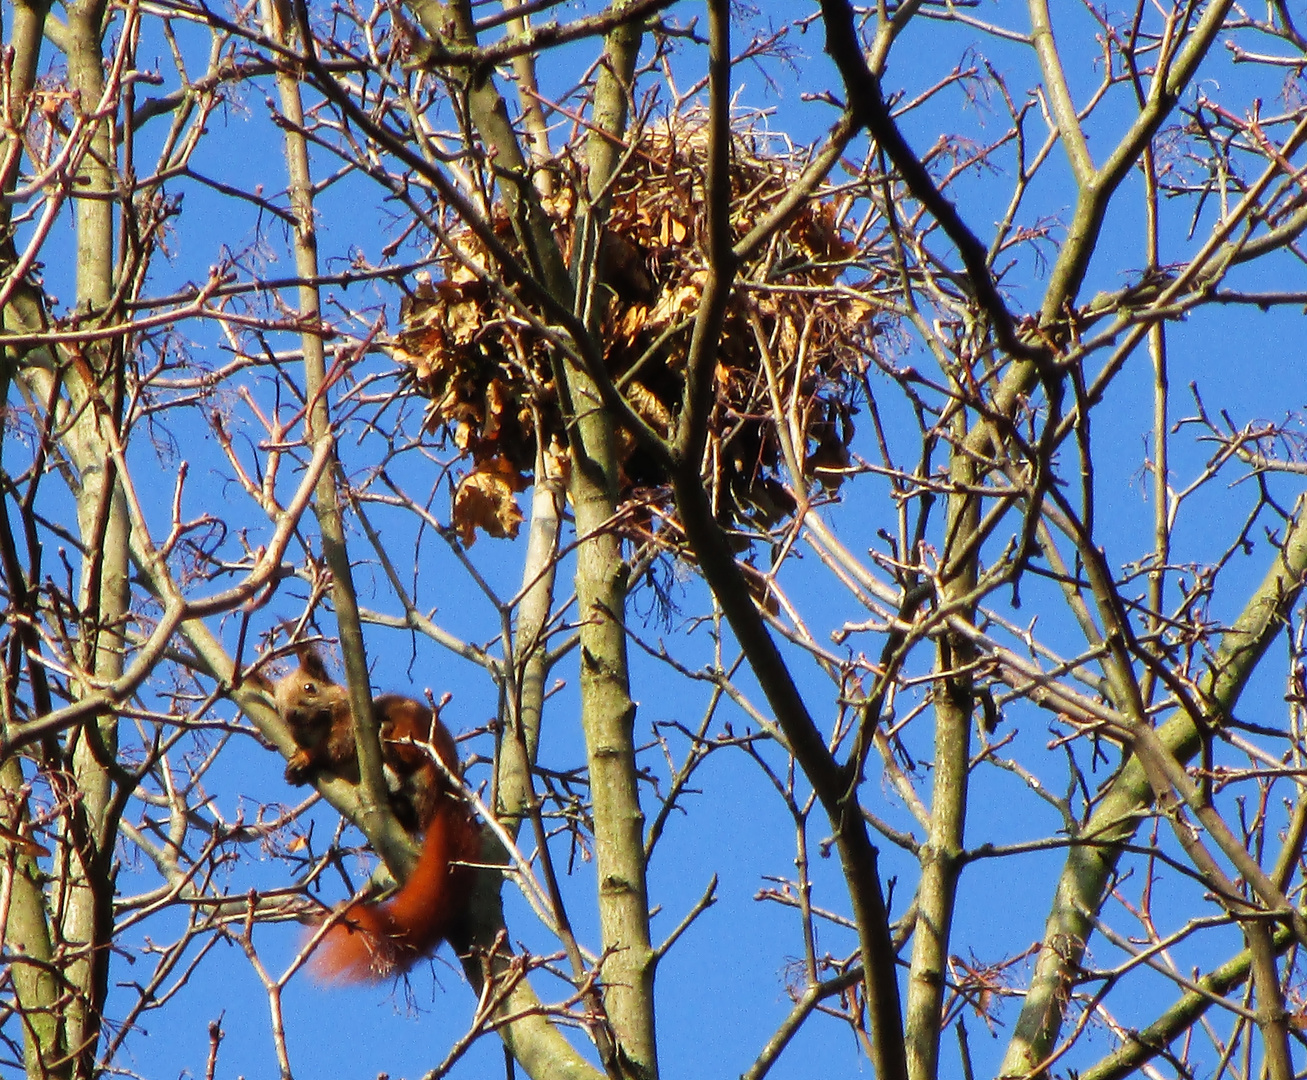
{"x": 370, "y": 942}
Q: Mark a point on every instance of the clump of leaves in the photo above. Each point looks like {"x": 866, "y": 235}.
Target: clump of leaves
{"x": 797, "y": 335}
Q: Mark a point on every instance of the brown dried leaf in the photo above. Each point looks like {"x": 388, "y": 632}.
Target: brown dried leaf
{"x": 496, "y": 398}
{"x": 678, "y": 301}
{"x": 484, "y": 500}
{"x": 463, "y": 319}
{"x": 647, "y": 406}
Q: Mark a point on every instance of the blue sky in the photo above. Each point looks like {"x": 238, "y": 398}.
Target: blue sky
{"x": 722, "y": 990}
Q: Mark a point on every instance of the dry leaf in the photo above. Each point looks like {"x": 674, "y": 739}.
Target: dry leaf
{"x": 484, "y": 500}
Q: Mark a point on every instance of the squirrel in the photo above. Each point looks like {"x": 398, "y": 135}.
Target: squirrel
{"x": 371, "y": 941}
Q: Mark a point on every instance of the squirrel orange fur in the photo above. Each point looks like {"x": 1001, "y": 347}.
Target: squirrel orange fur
{"x": 374, "y": 941}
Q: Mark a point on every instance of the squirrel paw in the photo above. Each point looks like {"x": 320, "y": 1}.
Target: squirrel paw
{"x": 298, "y": 768}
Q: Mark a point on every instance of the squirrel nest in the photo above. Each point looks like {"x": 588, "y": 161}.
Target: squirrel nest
{"x": 797, "y": 335}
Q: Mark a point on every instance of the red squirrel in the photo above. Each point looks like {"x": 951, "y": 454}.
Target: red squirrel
{"x": 374, "y": 941}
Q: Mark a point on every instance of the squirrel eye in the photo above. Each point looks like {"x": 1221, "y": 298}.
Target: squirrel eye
{"x": 307, "y": 688}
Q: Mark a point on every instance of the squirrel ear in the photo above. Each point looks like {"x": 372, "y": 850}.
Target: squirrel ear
{"x": 312, "y": 663}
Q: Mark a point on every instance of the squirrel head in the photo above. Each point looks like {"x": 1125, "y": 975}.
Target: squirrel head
{"x": 308, "y": 697}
